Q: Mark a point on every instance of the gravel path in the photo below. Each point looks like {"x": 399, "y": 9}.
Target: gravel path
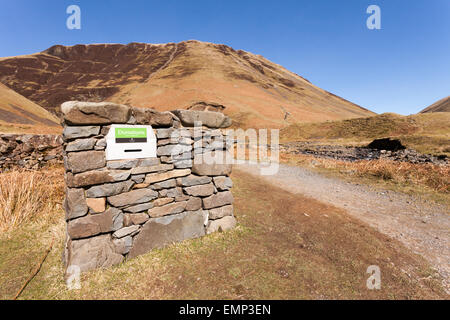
{"x": 421, "y": 225}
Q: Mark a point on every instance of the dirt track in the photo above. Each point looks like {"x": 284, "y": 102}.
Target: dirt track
{"x": 420, "y": 225}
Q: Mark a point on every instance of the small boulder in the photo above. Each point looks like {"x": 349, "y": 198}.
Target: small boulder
{"x": 145, "y": 116}
{"x": 92, "y": 253}
{"x": 207, "y": 118}
{"x": 224, "y": 224}
{"x": 100, "y": 113}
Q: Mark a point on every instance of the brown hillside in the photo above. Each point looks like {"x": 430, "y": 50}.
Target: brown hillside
{"x": 442, "y": 105}
{"x": 255, "y": 91}
{"x": 427, "y": 133}
{"x": 18, "y": 114}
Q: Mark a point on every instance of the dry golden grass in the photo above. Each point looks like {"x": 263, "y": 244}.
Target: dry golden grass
{"x": 26, "y": 195}
{"x": 420, "y": 178}
{"x": 427, "y": 133}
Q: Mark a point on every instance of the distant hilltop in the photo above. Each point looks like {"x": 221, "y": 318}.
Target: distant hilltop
{"x": 442, "y": 105}
{"x": 254, "y": 91}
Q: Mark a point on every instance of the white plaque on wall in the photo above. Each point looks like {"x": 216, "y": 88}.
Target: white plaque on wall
{"x": 130, "y": 142}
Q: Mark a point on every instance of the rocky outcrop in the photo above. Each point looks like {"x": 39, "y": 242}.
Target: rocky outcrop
{"x": 123, "y": 208}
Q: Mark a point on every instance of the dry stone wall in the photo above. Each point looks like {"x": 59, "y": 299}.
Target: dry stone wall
{"x": 28, "y": 151}
{"x": 123, "y": 208}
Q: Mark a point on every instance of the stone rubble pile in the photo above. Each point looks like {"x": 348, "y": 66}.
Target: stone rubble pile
{"x": 347, "y": 153}
{"x": 29, "y": 151}
{"x": 123, "y": 208}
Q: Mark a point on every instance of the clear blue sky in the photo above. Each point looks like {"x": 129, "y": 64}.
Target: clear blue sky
{"x": 401, "y": 68}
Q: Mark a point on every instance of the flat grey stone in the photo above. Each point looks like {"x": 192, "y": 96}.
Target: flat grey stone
{"x": 202, "y": 190}
{"x": 173, "y": 149}
{"x": 217, "y": 163}
{"x": 160, "y": 232}
{"x": 218, "y": 200}
{"x": 193, "y": 180}
{"x": 90, "y": 225}
{"x": 95, "y": 177}
{"x": 125, "y": 231}
{"x": 150, "y": 169}
{"x": 164, "y": 184}
{"x": 139, "y": 178}
{"x": 81, "y": 145}
{"x": 122, "y": 164}
{"x": 223, "y": 183}
{"x": 109, "y": 189}
{"x": 92, "y": 253}
{"x": 80, "y": 132}
{"x": 217, "y": 213}
{"x": 165, "y": 133}
{"x": 75, "y": 204}
{"x": 147, "y": 116}
{"x": 83, "y": 161}
{"x": 168, "y": 209}
{"x": 101, "y": 144}
{"x": 171, "y": 193}
{"x": 194, "y": 204}
{"x": 86, "y": 113}
{"x": 139, "y": 208}
{"x": 132, "y": 163}
{"x": 118, "y": 218}
{"x": 135, "y": 219}
{"x": 207, "y": 118}
{"x": 133, "y": 197}
{"x": 123, "y": 245}
{"x": 183, "y": 164}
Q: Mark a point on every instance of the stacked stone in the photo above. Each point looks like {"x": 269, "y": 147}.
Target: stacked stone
{"x": 123, "y": 208}
{"x": 29, "y": 151}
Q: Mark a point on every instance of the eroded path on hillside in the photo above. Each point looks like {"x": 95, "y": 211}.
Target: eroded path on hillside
{"x": 421, "y": 225}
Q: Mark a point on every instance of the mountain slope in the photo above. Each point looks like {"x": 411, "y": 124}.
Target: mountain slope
{"x": 18, "y": 114}
{"x": 442, "y": 105}
{"x": 255, "y": 91}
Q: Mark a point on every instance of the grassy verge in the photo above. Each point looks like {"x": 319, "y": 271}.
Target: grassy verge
{"x": 285, "y": 247}
{"x": 426, "y": 180}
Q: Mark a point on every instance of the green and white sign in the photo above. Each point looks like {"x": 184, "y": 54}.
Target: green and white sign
{"x": 130, "y": 135}
{"x": 130, "y": 142}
